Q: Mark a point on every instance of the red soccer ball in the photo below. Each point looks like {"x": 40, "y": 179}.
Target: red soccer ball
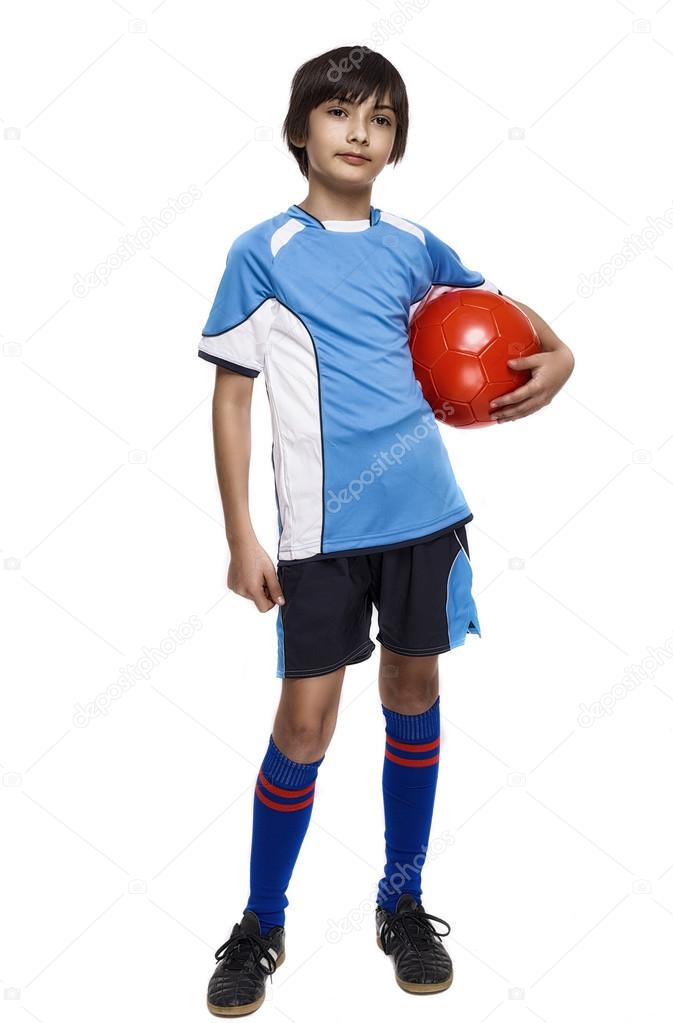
{"x": 460, "y": 343}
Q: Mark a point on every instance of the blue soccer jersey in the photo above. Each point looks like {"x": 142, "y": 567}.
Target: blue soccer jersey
{"x": 323, "y": 309}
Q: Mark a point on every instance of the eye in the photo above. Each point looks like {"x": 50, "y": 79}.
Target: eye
{"x": 379, "y": 117}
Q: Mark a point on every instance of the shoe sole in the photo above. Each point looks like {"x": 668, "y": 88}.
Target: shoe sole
{"x": 243, "y": 1010}
{"x": 419, "y": 989}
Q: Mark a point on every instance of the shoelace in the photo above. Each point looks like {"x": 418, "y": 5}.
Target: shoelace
{"x": 240, "y": 946}
{"x": 413, "y": 925}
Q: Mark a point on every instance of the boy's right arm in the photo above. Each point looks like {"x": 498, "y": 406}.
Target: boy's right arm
{"x": 251, "y": 572}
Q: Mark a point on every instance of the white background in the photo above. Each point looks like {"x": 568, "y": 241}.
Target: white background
{"x": 540, "y": 140}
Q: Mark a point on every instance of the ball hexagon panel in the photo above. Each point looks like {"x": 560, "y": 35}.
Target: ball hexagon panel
{"x": 513, "y": 322}
{"x": 470, "y": 329}
{"x": 458, "y": 376}
{"x": 456, "y": 413}
{"x": 427, "y": 345}
{"x": 494, "y": 361}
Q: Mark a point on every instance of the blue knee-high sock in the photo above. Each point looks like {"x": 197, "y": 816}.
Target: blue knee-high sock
{"x": 282, "y": 808}
{"x": 410, "y": 771}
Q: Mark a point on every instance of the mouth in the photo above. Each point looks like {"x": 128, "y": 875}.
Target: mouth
{"x": 354, "y": 158}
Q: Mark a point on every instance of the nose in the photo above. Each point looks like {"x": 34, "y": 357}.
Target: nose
{"x": 358, "y": 132}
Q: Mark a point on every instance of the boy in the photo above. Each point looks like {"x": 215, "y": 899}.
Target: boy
{"x": 319, "y": 299}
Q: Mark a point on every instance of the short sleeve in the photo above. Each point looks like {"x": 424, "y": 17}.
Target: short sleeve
{"x": 449, "y": 269}
{"x": 237, "y": 329}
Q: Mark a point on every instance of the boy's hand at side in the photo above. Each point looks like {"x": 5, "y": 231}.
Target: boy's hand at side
{"x": 252, "y": 575}
{"x": 251, "y": 572}
{"x": 550, "y": 369}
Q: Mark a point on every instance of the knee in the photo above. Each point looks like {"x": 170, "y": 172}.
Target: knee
{"x": 407, "y": 693}
{"x": 302, "y": 739}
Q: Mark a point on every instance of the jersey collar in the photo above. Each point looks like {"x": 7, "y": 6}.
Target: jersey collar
{"x": 307, "y": 218}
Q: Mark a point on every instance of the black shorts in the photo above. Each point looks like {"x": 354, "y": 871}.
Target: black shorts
{"x": 422, "y": 593}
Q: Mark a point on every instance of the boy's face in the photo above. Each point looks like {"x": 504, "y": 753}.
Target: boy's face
{"x": 337, "y": 127}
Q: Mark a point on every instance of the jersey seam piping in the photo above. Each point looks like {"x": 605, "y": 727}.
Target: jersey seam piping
{"x": 245, "y": 318}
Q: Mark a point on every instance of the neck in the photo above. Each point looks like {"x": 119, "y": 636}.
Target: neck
{"x": 327, "y": 204}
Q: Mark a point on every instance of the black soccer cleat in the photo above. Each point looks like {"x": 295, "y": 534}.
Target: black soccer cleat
{"x": 244, "y": 961}
{"x": 422, "y": 964}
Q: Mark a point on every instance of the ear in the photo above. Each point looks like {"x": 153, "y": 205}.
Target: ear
{"x": 298, "y": 143}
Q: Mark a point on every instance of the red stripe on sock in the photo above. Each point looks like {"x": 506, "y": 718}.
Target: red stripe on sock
{"x": 421, "y": 747}
{"x": 285, "y": 792}
{"x": 281, "y": 806}
{"x": 408, "y": 762}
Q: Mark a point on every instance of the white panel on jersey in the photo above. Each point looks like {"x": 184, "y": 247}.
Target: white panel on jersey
{"x": 404, "y": 225}
{"x": 245, "y": 343}
{"x": 283, "y": 234}
{"x": 291, "y": 375}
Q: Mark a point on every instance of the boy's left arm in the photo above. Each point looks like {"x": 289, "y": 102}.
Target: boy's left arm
{"x": 550, "y": 369}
